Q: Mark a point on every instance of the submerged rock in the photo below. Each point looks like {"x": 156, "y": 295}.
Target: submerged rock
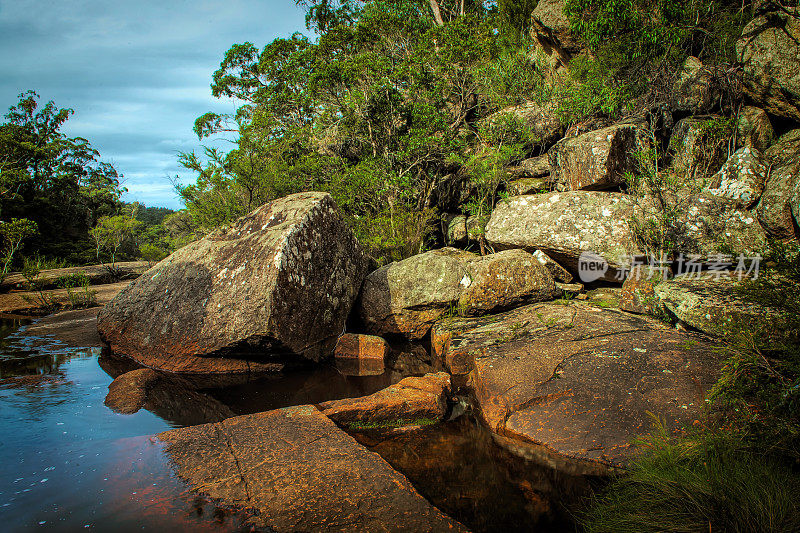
{"x": 564, "y": 225}
{"x": 572, "y": 385}
{"x": 414, "y": 400}
{"x": 408, "y": 296}
{"x": 299, "y": 472}
{"x": 277, "y": 283}
{"x": 361, "y": 355}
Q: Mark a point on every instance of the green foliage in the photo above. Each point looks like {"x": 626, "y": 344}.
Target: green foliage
{"x": 713, "y": 481}
{"x": 79, "y": 291}
{"x": 384, "y": 424}
{"x": 14, "y": 232}
{"x": 111, "y": 232}
{"x": 55, "y": 181}
{"x": 594, "y": 87}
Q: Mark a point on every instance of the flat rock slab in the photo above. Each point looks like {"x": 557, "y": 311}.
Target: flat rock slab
{"x": 579, "y": 380}
{"x": 30, "y": 302}
{"x": 76, "y": 328}
{"x": 300, "y": 473}
{"x": 96, "y": 274}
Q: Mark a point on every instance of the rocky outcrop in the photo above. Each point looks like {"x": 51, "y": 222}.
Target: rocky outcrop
{"x": 769, "y": 49}
{"x": 741, "y": 179}
{"x": 275, "y": 286}
{"x": 94, "y": 274}
{"x": 408, "y": 296}
{"x": 692, "y": 156}
{"x": 564, "y": 225}
{"x": 755, "y": 128}
{"x": 534, "y": 167}
{"x": 550, "y": 29}
{"x": 361, "y": 355}
{"x": 414, "y": 400}
{"x": 541, "y": 120}
{"x": 595, "y": 160}
{"x": 711, "y": 226}
{"x": 711, "y": 303}
{"x": 781, "y": 196}
{"x": 576, "y": 384}
{"x": 299, "y": 472}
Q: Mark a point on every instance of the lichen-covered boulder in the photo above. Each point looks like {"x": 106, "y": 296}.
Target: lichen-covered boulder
{"x": 711, "y": 303}
{"x": 741, "y": 179}
{"x": 550, "y": 29}
{"x": 524, "y": 186}
{"x": 595, "y": 160}
{"x": 692, "y": 155}
{"x": 786, "y": 150}
{"x": 565, "y": 224}
{"x": 769, "y": 49}
{"x": 534, "y": 167}
{"x": 711, "y": 226}
{"x": 778, "y": 211}
{"x": 755, "y": 128}
{"x": 275, "y": 286}
{"x": 407, "y": 297}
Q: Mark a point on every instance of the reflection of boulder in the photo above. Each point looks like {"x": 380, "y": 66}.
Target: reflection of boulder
{"x": 276, "y": 284}
{"x": 169, "y": 397}
{"x": 300, "y": 473}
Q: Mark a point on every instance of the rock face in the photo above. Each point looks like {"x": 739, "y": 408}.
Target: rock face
{"x": 741, "y": 179}
{"x": 361, "y": 355}
{"x": 577, "y": 383}
{"x": 770, "y": 51}
{"x": 712, "y": 226}
{"x": 564, "y": 225}
{"x": 408, "y": 296}
{"x": 299, "y": 472}
{"x": 711, "y": 304}
{"x": 413, "y": 400}
{"x": 279, "y": 282}
{"x": 755, "y": 128}
{"x": 550, "y": 30}
{"x": 786, "y": 150}
{"x": 534, "y": 167}
{"x": 594, "y": 160}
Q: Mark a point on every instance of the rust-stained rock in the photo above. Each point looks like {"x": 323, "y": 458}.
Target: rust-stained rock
{"x": 361, "y": 355}
{"x": 277, "y": 283}
{"x": 414, "y": 400}
{"x": 407, "y": 297}
{"x": 169, "y": 396}
{"x": 638, "y": 292}
{"x": 594, "y": 161}
{"x": 559, "y": 273}
{"x": 577, "y": 383}
{"x": 300, "y": 473}
{"x": 565, "y": 224}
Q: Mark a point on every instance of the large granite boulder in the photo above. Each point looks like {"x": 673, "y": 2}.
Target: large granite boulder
{"x": 710, "y": 225}
{"x": 595, "y": 160}
{"x": 741, "y": 179}
{"x": 786, "y": 150}
{"x": 407, "y": 297}
{"x": 695, "y": 90}
{"x": 694, "y": 155}
{"x": 274, "y": 287}
{"x": 574, "y": 385}
{"x": 550, "y": 29}
{"x": 299, "y": 472}
{"x": 567, "y": 224}
{"x": 769, "y": 49}
{"x": 778, "y": 210}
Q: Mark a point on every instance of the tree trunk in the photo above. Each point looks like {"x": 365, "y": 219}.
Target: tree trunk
{"x": 437, "y": 13}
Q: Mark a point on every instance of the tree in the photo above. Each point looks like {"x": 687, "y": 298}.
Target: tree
{"x": 111, "y": 232}
{"x": 56, "y": 181}
{"x": 14, "y": 233}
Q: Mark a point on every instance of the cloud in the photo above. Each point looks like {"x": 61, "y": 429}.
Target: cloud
{"x": 137, "y": 74}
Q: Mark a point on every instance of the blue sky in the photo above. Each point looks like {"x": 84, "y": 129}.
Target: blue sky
{"x": 137, "y": 73}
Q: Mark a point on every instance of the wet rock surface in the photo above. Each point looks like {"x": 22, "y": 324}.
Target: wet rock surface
{"x": 277, "y": 285}
{"x": 414, "y": 400}
{"x": 300, "y": 473}
{"x": 576, "y": 383}
{"x": 563, "y": 225}
{"x": 361, "y": 355}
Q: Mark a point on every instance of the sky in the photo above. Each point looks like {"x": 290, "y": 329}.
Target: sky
{"x": 136, "y": 73}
